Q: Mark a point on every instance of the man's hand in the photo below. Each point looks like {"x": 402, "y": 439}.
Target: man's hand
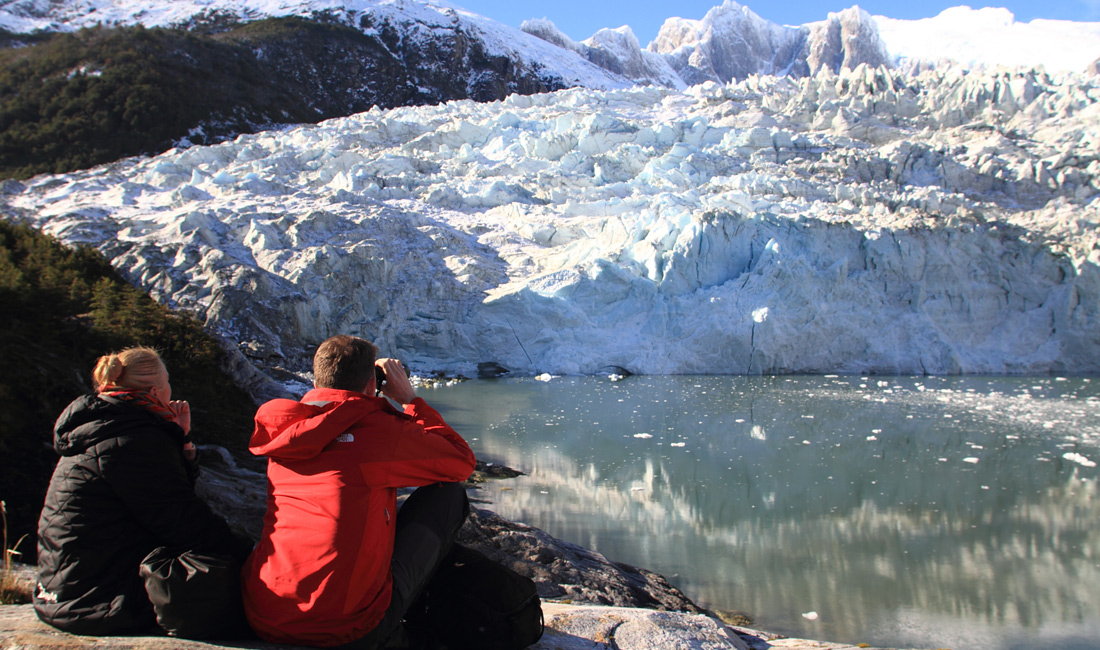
{"x": 397, "y": 386}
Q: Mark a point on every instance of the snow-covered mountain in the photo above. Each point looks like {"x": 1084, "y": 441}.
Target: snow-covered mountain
{"x": 430, "y": 24}
{"x": 615, "y": 50}
{"x": 729, "y": 43}
{"x": 864, "y": 222}
{"x": 732, "y": 42}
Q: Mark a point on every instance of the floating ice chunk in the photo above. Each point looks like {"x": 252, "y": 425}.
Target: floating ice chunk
{"x": 872, "y": 438}
{"x": 1079, "y": 459}
{"x": 643, "y": 435}
{"x": 544, "y": 377}
{"x": 810, "y": 616}
{"x": 615, "y": 377}
{"x": 971, "y": 459}
{"x": 678, "y": 444}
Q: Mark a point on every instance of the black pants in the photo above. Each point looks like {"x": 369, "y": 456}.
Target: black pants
{"x": 427, "y": 525}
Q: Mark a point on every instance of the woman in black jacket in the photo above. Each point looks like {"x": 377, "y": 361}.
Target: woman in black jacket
{"x": 124, "y": 486}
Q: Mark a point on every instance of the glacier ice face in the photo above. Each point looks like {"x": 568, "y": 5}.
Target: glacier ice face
{"x": 862, "y": 222}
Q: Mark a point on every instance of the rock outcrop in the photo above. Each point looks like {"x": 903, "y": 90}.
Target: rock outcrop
{"x": 567, "y": 627}
{"x": 589, "y": 601}
{"x": 560, "y": 570}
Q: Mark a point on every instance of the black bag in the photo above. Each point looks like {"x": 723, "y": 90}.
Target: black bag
{"x": 473, "y": 603}
{"x": 195, "y": 595}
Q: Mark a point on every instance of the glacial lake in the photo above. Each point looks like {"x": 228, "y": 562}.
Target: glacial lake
{"x": 924, "y": 512}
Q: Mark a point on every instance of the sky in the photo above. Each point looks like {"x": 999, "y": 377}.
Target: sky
{"x": 579, "y": 19}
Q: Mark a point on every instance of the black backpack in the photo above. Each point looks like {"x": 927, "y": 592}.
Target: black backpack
{"x": 474, "y": 603}
{"x": 195, "y": 595}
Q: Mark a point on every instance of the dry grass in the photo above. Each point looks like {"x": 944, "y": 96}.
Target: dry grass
{"x": 13, "y": 588}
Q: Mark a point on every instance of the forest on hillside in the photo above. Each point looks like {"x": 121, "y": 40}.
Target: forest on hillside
{"x": 63, "y": 308}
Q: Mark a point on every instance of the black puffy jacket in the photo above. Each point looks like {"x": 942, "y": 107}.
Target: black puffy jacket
{"x": 121, "y": 488}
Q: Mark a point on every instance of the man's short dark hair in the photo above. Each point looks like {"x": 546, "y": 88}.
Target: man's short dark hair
{"x": 344, "y": 362}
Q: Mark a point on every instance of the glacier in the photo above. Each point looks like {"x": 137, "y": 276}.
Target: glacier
{"x": 863, "y": 222}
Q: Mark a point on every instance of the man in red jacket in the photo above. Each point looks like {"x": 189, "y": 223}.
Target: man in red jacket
{"x": 337, "y": 565}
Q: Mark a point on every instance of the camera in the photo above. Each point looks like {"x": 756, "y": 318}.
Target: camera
{"x": 380, "y": 375}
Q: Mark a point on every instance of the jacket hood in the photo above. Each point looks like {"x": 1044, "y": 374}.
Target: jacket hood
{"x": 290, "y": 430}
{"x": 89, "y": 420}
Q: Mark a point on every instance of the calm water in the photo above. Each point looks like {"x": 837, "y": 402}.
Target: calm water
{"x": 921, "y": 512}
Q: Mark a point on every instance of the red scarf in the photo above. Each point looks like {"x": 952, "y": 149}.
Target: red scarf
{"x": 146, "y": 400}
{"x": 142, "y": 398}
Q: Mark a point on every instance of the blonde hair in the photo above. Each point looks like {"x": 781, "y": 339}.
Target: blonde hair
{"x": 136, "y": 367}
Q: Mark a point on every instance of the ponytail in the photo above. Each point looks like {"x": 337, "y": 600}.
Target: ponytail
{"x": 137, "y": 368}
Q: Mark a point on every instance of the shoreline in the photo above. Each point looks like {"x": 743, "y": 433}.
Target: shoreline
{"x": 567, "y": 627}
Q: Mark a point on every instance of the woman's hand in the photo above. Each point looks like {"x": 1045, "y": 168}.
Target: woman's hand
{"x": 397, "y": 386}
{"x": 181, "y": 414}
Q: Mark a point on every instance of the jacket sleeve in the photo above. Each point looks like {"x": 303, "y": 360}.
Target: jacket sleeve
{"x": 147, "y": 473}
{"x": 420, "y": 449}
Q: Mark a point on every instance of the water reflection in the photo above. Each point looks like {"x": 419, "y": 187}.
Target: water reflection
{"x": 929, "y": 512}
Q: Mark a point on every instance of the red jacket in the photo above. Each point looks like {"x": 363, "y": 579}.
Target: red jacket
{"x": 320, "y": 574}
